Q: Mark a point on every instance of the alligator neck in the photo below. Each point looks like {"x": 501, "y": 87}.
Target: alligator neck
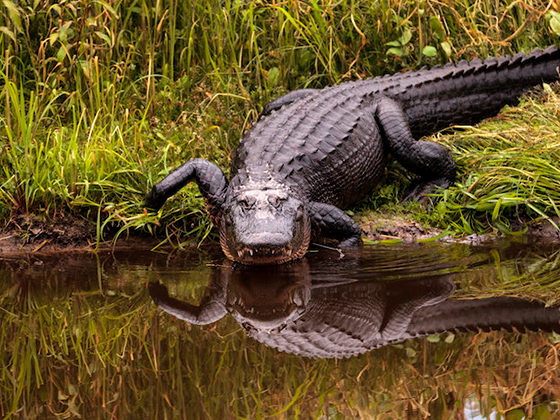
{"x": 264, "y": 177}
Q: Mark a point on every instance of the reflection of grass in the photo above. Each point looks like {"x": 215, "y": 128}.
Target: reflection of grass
{"x": 536, "y": 276}
{"x": 99, "y": 100}
{"x": 96, "y": 347}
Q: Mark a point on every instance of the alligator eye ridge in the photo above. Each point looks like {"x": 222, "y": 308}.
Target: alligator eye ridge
{"x": 246, "y": 203}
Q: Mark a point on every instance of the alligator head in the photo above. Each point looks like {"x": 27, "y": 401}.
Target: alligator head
{"x": 264, "y": 223}
{"x": 268, "y": 298}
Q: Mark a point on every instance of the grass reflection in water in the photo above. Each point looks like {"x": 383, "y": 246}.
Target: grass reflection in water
{"x": 81, "y": 337}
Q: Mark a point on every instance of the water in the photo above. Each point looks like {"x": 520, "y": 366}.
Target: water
{"x": 106, "y": 335}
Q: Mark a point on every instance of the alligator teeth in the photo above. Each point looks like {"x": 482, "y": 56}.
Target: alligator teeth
{"x": 251, "y": 252}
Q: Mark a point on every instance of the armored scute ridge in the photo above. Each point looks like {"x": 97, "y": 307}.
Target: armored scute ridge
{"x": 315, "y": 152}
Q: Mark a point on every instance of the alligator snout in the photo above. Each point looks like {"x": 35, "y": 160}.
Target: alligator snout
{"x": 267, "y": 240}
{"x": 263, "y": 254}
{"x": 266, "y": 247}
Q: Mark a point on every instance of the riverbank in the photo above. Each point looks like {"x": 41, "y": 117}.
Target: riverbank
{"x": 507, "y": 185}
{"x": 31, "y": 234}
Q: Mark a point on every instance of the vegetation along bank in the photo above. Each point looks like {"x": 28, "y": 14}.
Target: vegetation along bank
{"x": 99, "y": 101}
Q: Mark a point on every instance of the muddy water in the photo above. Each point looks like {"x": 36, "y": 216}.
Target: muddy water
{"x": 390, "y": 332}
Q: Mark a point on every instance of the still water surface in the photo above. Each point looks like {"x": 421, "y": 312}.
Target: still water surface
{"x": 391, "y": 332}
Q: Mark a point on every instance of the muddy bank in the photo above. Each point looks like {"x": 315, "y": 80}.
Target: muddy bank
{"x": 379, "y": 228}
{"x": 28, "y": 233}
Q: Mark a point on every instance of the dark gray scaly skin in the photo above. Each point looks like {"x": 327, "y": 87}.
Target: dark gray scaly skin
{"x": 346, "y": 319}
{"x": 315, "y": 152}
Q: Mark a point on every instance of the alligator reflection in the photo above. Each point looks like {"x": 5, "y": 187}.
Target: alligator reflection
{"x": 287, "y": 308}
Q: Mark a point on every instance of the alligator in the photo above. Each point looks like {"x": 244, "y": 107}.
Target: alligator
{"x": 315, "y": 152}
{"x": 338, "y": 318}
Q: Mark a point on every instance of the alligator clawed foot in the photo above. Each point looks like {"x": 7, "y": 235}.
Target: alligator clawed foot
{"x": 153, "y": 200}
{"x": 421, "y": 191}
{"x": 350, "y": 247}
{"x": 350, "y": 243}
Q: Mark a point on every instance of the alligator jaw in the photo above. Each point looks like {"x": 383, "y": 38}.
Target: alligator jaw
{"x": 263, "y": 254}
{"x": 268, "y": 255}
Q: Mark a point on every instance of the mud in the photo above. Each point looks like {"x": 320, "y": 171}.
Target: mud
{"x": 378, "y": 228}
{"x": 30, "y": 233}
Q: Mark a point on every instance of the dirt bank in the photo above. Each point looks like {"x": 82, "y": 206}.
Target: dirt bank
{"x": 29, "y": 233}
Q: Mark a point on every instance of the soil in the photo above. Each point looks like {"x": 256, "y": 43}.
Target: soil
{"x": 29, "y": 233}
{"x": 379, "y": 228}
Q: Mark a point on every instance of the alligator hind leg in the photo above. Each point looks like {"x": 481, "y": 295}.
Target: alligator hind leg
{"x": 211, "y": 181}
{"x": 431, "y": 161}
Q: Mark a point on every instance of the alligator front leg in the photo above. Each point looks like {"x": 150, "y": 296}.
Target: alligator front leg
{"x": 431, "y": 161}
{"x": 331, "y": 222}
{"x": 211, "y": 181}
{"x": 211, "y": 309}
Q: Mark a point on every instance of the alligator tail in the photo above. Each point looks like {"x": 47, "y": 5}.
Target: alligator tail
{"x": 498, "y": 313}
{"x": 467, "y": 92}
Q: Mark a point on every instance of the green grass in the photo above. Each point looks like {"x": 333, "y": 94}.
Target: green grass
{"x": 510, "y": 175}
{"x": 98, "y": 101}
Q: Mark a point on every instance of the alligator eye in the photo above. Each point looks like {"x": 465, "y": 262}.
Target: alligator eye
{"x": 300, "y": 212}
{"x": 246, "y": 203}
{"x": 276, "y": 201}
